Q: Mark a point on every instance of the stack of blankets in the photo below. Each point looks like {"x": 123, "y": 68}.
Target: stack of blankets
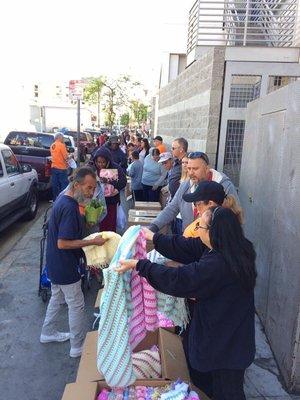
{"x": 129, "y": 308}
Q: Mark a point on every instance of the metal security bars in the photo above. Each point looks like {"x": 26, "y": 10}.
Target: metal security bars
{"x": 233, "y": 149}
{"x": 270, "y": 23}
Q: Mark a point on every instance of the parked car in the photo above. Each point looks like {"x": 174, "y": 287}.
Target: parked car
{"x": 18, "y": 189}
{"x": 34, "y": 148}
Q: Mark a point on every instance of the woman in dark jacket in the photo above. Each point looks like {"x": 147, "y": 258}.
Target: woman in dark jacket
{"x": 219, "y": 273}
{"x": 103, "y": 160}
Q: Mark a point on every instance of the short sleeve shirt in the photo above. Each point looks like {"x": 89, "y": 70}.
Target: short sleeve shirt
{"x": 65, "y": 223}
{"x": 59, "y": 155}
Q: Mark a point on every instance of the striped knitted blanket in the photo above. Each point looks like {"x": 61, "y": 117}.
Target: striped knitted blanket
{"x": 128, "y": 309}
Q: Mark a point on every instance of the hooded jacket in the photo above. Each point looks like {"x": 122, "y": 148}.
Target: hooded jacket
{"x": 120, "y": 184}
{"x": 118, "y": 156}
{"x": 178, "y": 205}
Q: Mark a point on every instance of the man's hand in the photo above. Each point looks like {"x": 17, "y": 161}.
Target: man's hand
{"x": 126, "y": 265}
{"x": 99, "y": 241}
{"x": 148, "y": 234}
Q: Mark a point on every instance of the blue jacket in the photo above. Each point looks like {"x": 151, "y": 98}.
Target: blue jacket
{"x": 135, "y": 171}
{"x": 154, "y": 174}
{"x": 221, "y": 332}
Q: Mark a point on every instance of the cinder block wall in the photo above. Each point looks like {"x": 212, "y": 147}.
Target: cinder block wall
{"x": 270, "y": 194}
{"x": 190, "y": 105}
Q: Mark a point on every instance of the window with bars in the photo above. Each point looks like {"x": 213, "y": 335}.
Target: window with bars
{"x": 244, "y": 88}
{"x": 233, "y": 149}
{"x": 277, "y": 82}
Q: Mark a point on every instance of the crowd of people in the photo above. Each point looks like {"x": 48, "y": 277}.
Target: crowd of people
{"x": 215, "y": 263}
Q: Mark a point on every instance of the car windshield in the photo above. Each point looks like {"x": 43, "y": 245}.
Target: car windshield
{"x": 23, "y": 139}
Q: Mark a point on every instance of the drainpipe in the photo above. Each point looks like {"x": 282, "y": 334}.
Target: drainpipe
{"x": 246, "y": 23}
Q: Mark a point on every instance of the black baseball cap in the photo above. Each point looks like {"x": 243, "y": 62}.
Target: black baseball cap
{"x": 206, "y": 190}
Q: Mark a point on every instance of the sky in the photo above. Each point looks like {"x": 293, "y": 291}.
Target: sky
{"x": 58, "y": 40}
{"x": 64, "y": 39}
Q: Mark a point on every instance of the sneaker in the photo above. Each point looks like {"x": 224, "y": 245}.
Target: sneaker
{"x": 74, "y": 353}
{"x": 56, "y": 337}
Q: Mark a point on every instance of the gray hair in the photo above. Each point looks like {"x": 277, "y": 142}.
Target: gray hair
{"x": 58, "y": 135}
{"x": 79, "y": 175}
{"x": 183, "y": 143}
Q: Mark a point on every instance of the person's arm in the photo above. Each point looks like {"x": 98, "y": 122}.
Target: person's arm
{"x": 161, "y": 179}
{"x": 121, "y": 182}
{"x": 65, "y": 244}
{"x": 179, "y": 248}
{"x": 168, "y": 214}
{"x": 131, "y": 170}
{"x": 195, "y": 280}
{"x": 64, "y": 152}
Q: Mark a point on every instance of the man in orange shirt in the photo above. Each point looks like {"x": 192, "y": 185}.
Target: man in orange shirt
{"x": 59, "y": 165}
{"x": 158, "y": 143}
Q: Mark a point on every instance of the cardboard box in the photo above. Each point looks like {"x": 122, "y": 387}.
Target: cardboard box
{"x": 143, "y": 213}
{"x": 90, "y": 391}
{"x": 173, "y": 362}
{"x": 143, "y": 221}
{"x": 147, "y": 205}
{"x": 98, "y": 298}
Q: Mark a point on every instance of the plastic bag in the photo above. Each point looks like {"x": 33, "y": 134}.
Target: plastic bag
{"x": 121, "y": 219}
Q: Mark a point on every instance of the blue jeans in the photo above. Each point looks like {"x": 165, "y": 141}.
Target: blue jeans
{"x": 59, "y": 181}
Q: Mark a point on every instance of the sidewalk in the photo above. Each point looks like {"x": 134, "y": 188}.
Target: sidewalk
{"x": 32, "y": 371}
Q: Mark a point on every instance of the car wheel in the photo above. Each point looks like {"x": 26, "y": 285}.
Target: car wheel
{"x": 33, "y": 205}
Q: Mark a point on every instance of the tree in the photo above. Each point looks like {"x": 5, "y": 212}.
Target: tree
{"x": 139, "y": 111}
{"x": 124, "y": 120}
{"x": 116, "y": 94}
{"x": 92, "y": 93}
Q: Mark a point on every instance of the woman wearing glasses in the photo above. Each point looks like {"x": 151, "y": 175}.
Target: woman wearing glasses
{"x": 219, "y": 272}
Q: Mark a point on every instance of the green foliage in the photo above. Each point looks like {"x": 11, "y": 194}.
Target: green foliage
{"x": 139, "y": 110}
{"x": 92, "y": 92}
{"x": 124, "y": 119}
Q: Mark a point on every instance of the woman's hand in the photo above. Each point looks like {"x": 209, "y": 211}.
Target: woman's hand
{"x": 148, "y": 234}
{"x": 126, "y": 265}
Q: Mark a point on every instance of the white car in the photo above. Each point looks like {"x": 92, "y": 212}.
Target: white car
{"x": 18, "y": 189}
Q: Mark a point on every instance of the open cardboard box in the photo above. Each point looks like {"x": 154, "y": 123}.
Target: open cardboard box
{"x": 147, "y": 205}
{"x": 90, "y": 390}
{"x": 173, "y": 362}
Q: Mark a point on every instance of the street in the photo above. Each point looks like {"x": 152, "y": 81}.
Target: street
{"x": 28, "y": 369}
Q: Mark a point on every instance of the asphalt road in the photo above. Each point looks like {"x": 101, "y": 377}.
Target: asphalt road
{"x": 11, "y": 235}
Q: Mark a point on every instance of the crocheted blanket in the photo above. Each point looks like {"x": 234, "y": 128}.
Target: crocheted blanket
{"x": 101, "y": 256}
{"x": 129, "y": 307}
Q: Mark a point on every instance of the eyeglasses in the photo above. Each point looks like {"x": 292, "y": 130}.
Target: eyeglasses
{"x": 198, "y": 226}
{"x": 199, "y": 154}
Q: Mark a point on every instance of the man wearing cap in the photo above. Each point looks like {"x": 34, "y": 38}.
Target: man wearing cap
{"x": 158, "y": 143}
{"x": 198, "y": 171}
{"x": 59, "y": 165}
{"x": 118, "y": 156}
{"x": 166, "y": 160}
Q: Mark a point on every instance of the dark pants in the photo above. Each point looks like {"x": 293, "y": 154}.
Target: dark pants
{"x": 222, "y": 384}
{"x": 109, "y": 223}
{"x": 59, "y": 181}
{"x": 138, "y": 195}
{"x": 149, "y": 194}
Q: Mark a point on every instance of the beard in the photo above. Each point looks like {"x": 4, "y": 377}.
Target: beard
{"x": 80, "y": 197}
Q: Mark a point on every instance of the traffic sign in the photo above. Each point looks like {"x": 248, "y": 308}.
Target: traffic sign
{"x": 76, "y": 89}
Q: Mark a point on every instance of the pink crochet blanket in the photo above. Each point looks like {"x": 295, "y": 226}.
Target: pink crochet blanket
{"x": 144, "y": 317}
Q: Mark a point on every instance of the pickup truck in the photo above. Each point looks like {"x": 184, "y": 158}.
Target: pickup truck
{"x": 34, "y": 148}
{"x": 18, "y": 189}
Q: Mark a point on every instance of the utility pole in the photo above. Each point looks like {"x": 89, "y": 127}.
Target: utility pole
{"x": 78, "y": 132}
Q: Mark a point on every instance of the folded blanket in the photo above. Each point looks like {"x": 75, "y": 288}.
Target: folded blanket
{"x": 101, "y": 256}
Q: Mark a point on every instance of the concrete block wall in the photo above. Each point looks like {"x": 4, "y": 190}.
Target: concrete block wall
{"x": 270, "y": 192}
{"x": 190, "y": 105}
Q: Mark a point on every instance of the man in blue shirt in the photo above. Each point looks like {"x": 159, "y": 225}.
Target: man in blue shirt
{"x": 63, "y": 260}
